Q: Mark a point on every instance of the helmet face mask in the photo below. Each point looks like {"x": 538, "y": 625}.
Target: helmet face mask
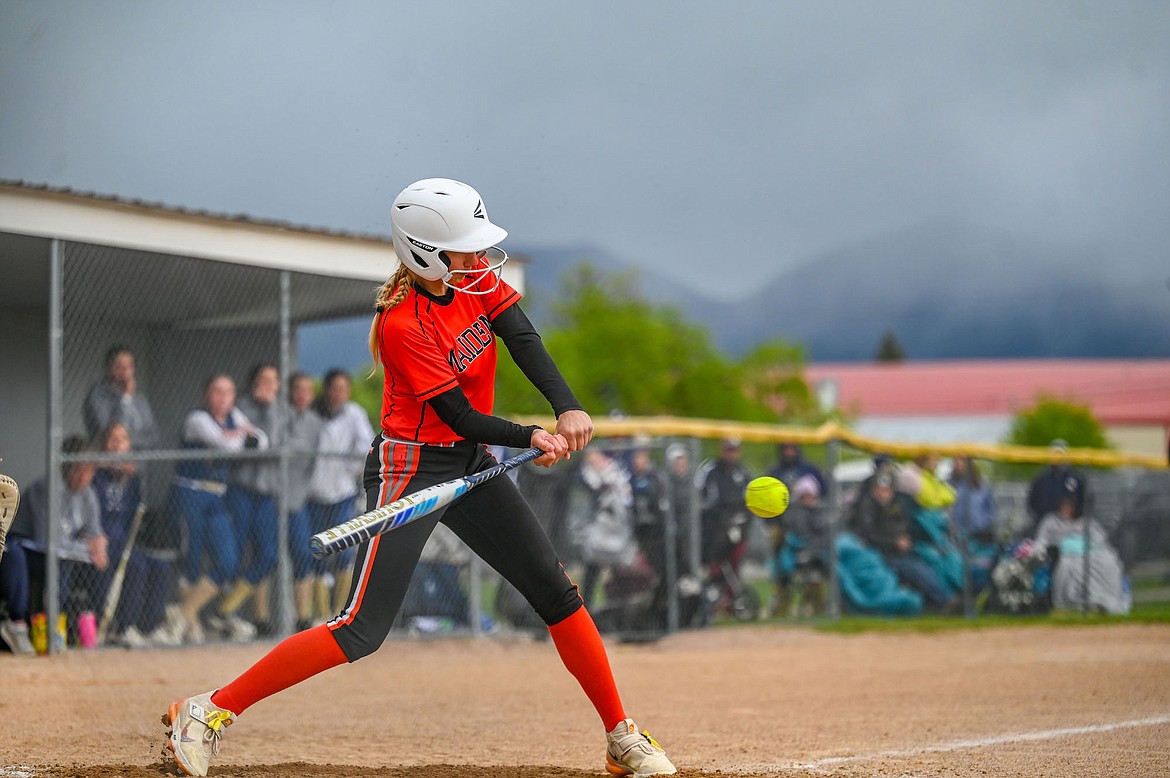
{"x": 436, "y": 215}
{"x": 488, "y": 262}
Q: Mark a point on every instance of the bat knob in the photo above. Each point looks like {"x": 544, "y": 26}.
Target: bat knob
{"x": 317, "y": 548}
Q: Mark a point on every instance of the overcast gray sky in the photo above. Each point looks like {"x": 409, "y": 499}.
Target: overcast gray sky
{"x": 726, "y": 140}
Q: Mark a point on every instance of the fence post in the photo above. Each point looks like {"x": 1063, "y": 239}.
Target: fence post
{"x": 962, "y": 523}
{"x": 53, "y": 477}
{"x": 1085, "y": 568}
{"x": 283, "y": 585}
{"x": 832, "y": 454}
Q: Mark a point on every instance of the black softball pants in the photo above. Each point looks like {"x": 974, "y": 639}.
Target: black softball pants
{"x": 493, "y": 519}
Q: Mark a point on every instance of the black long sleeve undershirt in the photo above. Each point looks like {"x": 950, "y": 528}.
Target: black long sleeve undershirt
{"x": 533, "y": 359}
{"x": 530, "y": 355}
{"x": 453, "y": 407}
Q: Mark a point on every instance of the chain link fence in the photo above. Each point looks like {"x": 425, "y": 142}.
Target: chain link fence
{"x": 205, "y": 516}
{"x": 180, "y": 519}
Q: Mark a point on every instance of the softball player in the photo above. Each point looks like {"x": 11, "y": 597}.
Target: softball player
{"x": 434, "y": 334}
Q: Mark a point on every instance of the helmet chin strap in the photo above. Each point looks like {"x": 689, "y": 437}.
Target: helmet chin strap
{"x": 485, "y": 267}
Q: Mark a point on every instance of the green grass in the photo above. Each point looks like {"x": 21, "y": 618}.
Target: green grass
{"x": 1142, "y": 613}
{"x": 1157, "y": 612}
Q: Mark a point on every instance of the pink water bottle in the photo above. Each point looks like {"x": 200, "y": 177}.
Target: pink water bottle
{"x": 87, "y": 629}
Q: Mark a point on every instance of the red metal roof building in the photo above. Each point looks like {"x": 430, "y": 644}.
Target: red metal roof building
{"x": 975, "y": 399}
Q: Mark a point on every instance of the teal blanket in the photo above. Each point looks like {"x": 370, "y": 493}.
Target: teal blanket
{"x": 868, "y": 585}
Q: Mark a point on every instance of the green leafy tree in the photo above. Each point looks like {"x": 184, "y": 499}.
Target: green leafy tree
{"x": 1051, "y": 418}
{"x": 621, "y": 353}
{"x": 367, "y": 392}
{"x": 774, "y": 376}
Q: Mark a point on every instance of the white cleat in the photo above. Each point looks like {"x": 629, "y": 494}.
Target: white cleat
{"x": 197, "y": 725}
{"x": 635, "y": 753}
{"x": 239, "y": 630}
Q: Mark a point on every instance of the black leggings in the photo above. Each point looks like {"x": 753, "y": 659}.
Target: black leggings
{"x": 493, "y": 519}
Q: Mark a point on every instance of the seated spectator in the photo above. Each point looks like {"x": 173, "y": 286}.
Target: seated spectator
{"x": 138, "y": 620}
{"x": 436, "y": 600}
{"x": 882, "y": 463}
{"x": 883, "y": 520}
{"x": 82, "y": 546}
{"x": 118, "y": 398}
{"x": 1063, "y": 536}
{"x": 119, "y": 492}
{"x": 919, "y": 480}
{"x": 14, "y": 595}
{"x": 801, "y": 552}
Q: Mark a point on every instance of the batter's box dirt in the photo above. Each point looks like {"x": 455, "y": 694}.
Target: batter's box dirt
{"x": 1041, "y": 702}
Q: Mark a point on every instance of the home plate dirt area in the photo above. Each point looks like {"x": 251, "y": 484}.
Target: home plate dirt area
{"x": 743, "y": 701}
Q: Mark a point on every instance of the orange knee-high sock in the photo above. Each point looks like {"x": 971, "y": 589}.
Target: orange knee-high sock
{"x": 292, "y": 660}
{"x": 579, "y": 644}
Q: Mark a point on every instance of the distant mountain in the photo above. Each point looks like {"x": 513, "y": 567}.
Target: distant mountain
{"x": 946, "y": 290}
{"x": 546, "y": 265}
{"x": 950, "y": 291}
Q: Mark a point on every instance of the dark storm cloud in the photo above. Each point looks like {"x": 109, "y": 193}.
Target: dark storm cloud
{"x": 665, "y": 133}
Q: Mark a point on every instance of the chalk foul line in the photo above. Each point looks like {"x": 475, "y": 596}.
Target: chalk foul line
{"x": 958, "y": 745}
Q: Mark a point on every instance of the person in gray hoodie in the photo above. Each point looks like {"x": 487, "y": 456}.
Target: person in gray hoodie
{"x": 81, "y": 547}
{"x": 118, "y": 398}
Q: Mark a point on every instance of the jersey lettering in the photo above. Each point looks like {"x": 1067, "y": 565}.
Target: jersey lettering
{"x": 470, "y": 344}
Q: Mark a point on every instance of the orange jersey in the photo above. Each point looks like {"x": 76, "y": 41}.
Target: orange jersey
{"x": 428, "y": 347}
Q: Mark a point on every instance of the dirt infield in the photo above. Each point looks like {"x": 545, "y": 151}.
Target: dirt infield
{"x": 1042, "y": 701}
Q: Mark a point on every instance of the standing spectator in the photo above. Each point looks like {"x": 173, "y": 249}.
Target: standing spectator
{"x": 118, "y": 398}
{"x": 334, "y": 490}
{"x": 681, "y": 492}
{"x": 973, "y": 518}
{"x": 1053, "y": 483}
{"x": 82, "y": 546}
{"x": 882, "y": 518}
{"x": 973, "y": 512}
{"x": 724, "y": 518}
{"x": 251, "y": 500}
{"x": 651, "y": 516}
{"x": 651, "y": 508}
{"x": 791, "y": 466}
{"x": 601, "y": 520}
{"x": 198, "y": 493}
{"x": 304, "y": 434}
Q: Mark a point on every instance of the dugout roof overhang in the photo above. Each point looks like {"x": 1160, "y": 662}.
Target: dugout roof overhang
{"x": 31, "y": 216}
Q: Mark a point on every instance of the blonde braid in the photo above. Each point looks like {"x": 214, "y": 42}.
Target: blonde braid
{"x": 389, "y": 295}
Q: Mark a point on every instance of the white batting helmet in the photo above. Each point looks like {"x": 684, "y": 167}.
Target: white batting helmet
{"x": 436, "y": 215}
